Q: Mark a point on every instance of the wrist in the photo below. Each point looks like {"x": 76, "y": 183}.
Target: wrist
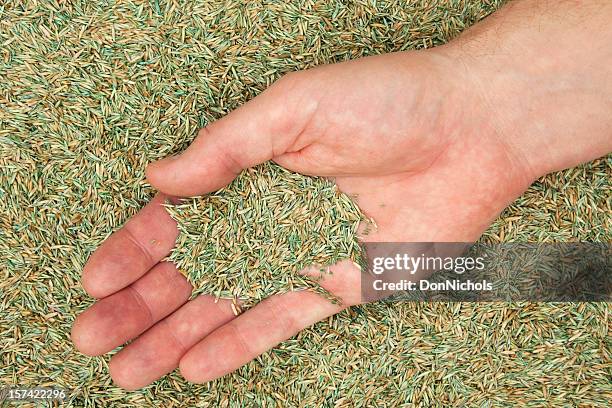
{"x": 545, "y": 94}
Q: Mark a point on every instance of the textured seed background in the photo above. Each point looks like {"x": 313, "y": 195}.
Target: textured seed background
{"x": 91, "y": 91}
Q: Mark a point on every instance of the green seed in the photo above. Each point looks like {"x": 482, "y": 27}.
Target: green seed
{"x": 252, "y": 239}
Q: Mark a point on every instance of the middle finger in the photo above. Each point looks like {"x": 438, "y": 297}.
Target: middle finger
{"x": 124, "y": 315}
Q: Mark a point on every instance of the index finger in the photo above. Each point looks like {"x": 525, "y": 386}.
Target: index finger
{"x": 130, "y": 252}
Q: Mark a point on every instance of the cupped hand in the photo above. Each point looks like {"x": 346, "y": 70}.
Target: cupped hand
{"x": 404, "y": 133}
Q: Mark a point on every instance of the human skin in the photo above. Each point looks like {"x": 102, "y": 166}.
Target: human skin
{"x": 435, "y": 144}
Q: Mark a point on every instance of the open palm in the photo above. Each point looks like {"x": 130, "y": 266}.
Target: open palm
{"x": 392, "y": 130}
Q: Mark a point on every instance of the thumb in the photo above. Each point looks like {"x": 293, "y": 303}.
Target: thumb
{"x": 260, "y": 130}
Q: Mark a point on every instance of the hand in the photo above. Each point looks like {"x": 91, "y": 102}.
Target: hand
{"x": 413, "y": 135}
{"x": 387, "y": 128}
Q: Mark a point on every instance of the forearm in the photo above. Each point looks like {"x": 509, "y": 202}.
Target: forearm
{"x": 544, "y": 70}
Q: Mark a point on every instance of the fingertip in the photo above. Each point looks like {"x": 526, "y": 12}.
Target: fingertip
{"x": 93, "y": 286}
{"x": 174, "y": 177}
{"x": 122, "y": 375}
{"x": 130, "y": 252}
{"x": 187, "y": 371}
{"x": 157, "y": 173}
{"x": 99, "y": 277}
{"x": 191, "y": 371}
{"x": 81, "y": 338}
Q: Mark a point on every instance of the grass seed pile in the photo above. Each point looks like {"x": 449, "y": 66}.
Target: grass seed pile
{"x": 252, "y": 239}
{"x": 92, "y": 91}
